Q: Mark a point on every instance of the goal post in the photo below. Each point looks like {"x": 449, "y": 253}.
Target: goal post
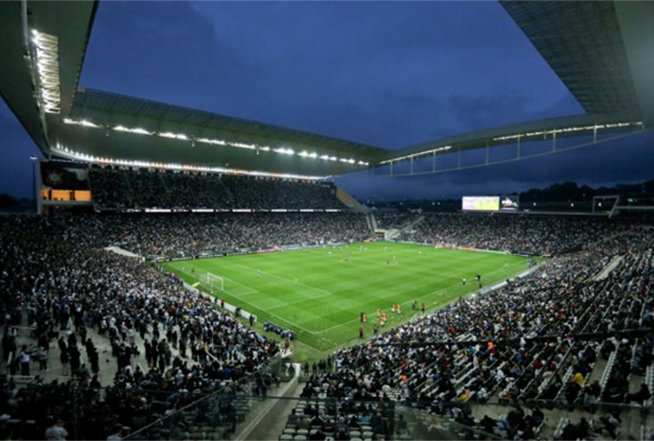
{"x": 213, "y": 282}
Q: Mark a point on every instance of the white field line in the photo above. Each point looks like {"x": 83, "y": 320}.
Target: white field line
{"x": 299, "y": 301}
{"x": 249, "y": 292}
{"x": 326, "y": 293}
{"x": 257, "y": 307}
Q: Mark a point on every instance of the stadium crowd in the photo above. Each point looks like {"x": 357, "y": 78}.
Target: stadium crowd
{"x": 186, "y": 234}
{"x": 531, "y": 234}
{"x": 65, "y": 287}
{"x": 531, "y": 339}
{"x": 125, "y": 188}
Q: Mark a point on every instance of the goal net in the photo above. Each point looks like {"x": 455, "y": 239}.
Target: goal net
{"x": 213, "y": 282}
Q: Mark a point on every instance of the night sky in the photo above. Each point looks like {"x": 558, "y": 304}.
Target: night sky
{"x": 389, "y": 74}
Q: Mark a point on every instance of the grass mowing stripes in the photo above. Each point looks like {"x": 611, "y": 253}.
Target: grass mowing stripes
{"x": 319, "y": 292}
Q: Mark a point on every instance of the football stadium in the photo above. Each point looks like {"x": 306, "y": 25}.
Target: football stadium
{"x": 193, "y": 275}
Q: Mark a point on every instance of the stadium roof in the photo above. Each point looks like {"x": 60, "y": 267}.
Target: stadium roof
{"x": 600, "y": 50}
{"x": 582, "y": 42}
{"x": 204, "y": 138}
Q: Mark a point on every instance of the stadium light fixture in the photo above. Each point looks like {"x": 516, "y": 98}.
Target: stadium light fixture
{"x": 172, "y": 135}
{"x": 86, "y": 123}
{"x": 416, "y": 155}
{"x": 137, "y": 130}
{"x": 243, "y": 146}
{"x": 65, "y": 151}
{"x": 181, "y": 136}
{"x": 46, "y": 49}
{"x": 211, "y": 141}
{"x": 544, "y": 133}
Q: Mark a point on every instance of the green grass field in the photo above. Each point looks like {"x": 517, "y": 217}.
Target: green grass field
{"x": 320, "y": 296}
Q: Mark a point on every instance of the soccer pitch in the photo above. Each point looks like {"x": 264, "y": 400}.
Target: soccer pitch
{"x": 320, "y": 292}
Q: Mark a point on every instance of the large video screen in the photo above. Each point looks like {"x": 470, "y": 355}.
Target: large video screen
{"x": 64, "y": 175}
{"x": 481, "y": 203}
{"x": 509, "y": 202}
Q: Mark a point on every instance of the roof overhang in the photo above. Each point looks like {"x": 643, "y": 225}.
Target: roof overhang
{"x": 547, "y": 129}
{"x": 43, "y": 46}
{"x": 602, "y": 50}
{"x": 110, "y": 126}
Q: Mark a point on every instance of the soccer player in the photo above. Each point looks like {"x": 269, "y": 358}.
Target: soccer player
{"x": 399, "y": 309}
{"x": 393, "y": 308}
{"x": 360, "y": 331}
{"x": 464, "y": 281}
{"x": 414, "y": 304}
{"x": 422, "y": 308}
{"x": 378, "y": 313}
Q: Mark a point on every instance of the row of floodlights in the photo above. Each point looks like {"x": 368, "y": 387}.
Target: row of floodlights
{"x": 184, "y": 137}
{"x": 568, "y": 130}
{"x": 65, "y": 151}
{"x": 416, "y": 155}
{"x": 46, "y": 47}
{"x": 521, "y": 135}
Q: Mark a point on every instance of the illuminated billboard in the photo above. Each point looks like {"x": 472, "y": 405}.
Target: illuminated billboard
{"x": 481, "y": 203}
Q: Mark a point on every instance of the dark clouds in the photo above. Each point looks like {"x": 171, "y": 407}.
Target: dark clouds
{"x": 390, "y": 74}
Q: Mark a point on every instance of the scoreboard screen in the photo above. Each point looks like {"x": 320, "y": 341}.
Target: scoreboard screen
{"x": 481, "y": 203}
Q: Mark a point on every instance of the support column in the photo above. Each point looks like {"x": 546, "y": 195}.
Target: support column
{"x": 553, "y": 141}
{"x": 518, "y": 152}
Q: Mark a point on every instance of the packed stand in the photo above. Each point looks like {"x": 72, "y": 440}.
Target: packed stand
{"x": 125, "y": 188}
{"x": 530, "y": 234}
{"x": 64, "y": 288}
{"x": 393, "y": 219}
{"x": 187, "y": 235}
